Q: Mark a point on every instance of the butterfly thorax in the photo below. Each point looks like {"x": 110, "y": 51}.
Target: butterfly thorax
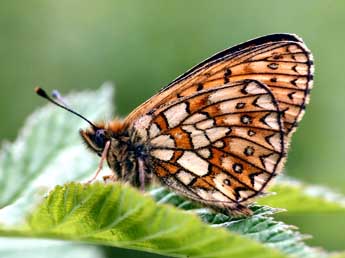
{"x": 127, "y": 153}
{"x": 124, "y": 157}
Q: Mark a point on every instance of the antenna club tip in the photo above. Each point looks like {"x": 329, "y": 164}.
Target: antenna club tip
{"x": 40, "y": 92}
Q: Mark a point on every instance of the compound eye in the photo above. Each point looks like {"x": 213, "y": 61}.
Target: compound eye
{"x": 100, "y": 138}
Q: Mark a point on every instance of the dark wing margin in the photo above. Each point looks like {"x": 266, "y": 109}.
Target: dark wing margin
{"x": 238, "y": 48}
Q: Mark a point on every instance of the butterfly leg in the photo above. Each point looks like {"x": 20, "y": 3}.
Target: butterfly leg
{"x": 100, "y": 165}
{"x": 141, "y": 168}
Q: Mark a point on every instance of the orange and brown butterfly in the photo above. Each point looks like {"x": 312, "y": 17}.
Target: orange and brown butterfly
{"x": 219, "y": 133}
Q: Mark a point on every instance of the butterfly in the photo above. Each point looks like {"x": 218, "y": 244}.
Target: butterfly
{"x": 219, "y": 133}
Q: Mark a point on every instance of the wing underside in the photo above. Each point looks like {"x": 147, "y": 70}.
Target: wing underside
{"x": 220, "y": 146}
{"x": 219, "y": 133}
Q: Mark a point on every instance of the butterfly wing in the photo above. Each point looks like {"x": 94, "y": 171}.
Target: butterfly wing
{"x": 219, "y": 133}
{"x": 280, "y": 61}
{"x": 220, "y": 146}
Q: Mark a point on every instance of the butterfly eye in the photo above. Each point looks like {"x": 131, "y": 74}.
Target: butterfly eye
{"x": 100, "y": 138}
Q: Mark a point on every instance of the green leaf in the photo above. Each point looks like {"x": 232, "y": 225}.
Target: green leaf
{"x": 290, "y": 194}
{"x": 118, "y": 215}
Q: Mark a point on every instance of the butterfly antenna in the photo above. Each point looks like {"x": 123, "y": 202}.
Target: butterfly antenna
{"x": 40, "y": 92}
{"x": 57, "y": 96}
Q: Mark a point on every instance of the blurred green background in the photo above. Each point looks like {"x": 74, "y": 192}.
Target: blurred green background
{"x": 143, "y": 45}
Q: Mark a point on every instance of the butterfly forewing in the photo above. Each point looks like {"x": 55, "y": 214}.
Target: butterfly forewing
{"x": 282, "y": 62}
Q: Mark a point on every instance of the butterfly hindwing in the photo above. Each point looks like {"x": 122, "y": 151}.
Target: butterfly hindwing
{"x": 220, "y": 146}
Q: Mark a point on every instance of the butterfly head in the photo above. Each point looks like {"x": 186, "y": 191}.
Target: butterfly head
{"x": 96, "y": 138}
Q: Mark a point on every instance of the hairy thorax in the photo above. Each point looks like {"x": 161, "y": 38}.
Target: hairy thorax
{"x": 125, "y": 151}
{"x": 128, "y": 157}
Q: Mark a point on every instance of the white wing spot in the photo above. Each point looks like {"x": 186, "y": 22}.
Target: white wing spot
{"x": 272, "y": 120}
{"x": 266, "y": 102}
{"x": 219, "y": 144}
{"x": 185, "y": 177}
{"x": 274, "y": 140}
{"x": 205, "y": 124}
{"x": 217, "y": 133}
{"x": 189, "y": 128}
{"x": 301, "y": 68}
{"x": 293, "y": 49}
{"x": 254, "y": 88}
{"x": 154, "y": 130}
{"x": 300, "y": 57}
{"x": 299, "y": 82}
{"x": 226, "y": 107}
{"x": 244, "y": 194}
{"x": 269, "y": 162}
{"x": 199, "y": 139}
{"x": 176, "y": 114}
{"x": 195, "y": 118}
{"x": 165, "y": 155}
{"x": 260, "y": 180}
{"x": 205, "y": 153}
{"x": 163, "y": 141}
{"x": 192, "y": 162}
{"x": 223, "y": 94}
{"x": 142, "y": 124}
